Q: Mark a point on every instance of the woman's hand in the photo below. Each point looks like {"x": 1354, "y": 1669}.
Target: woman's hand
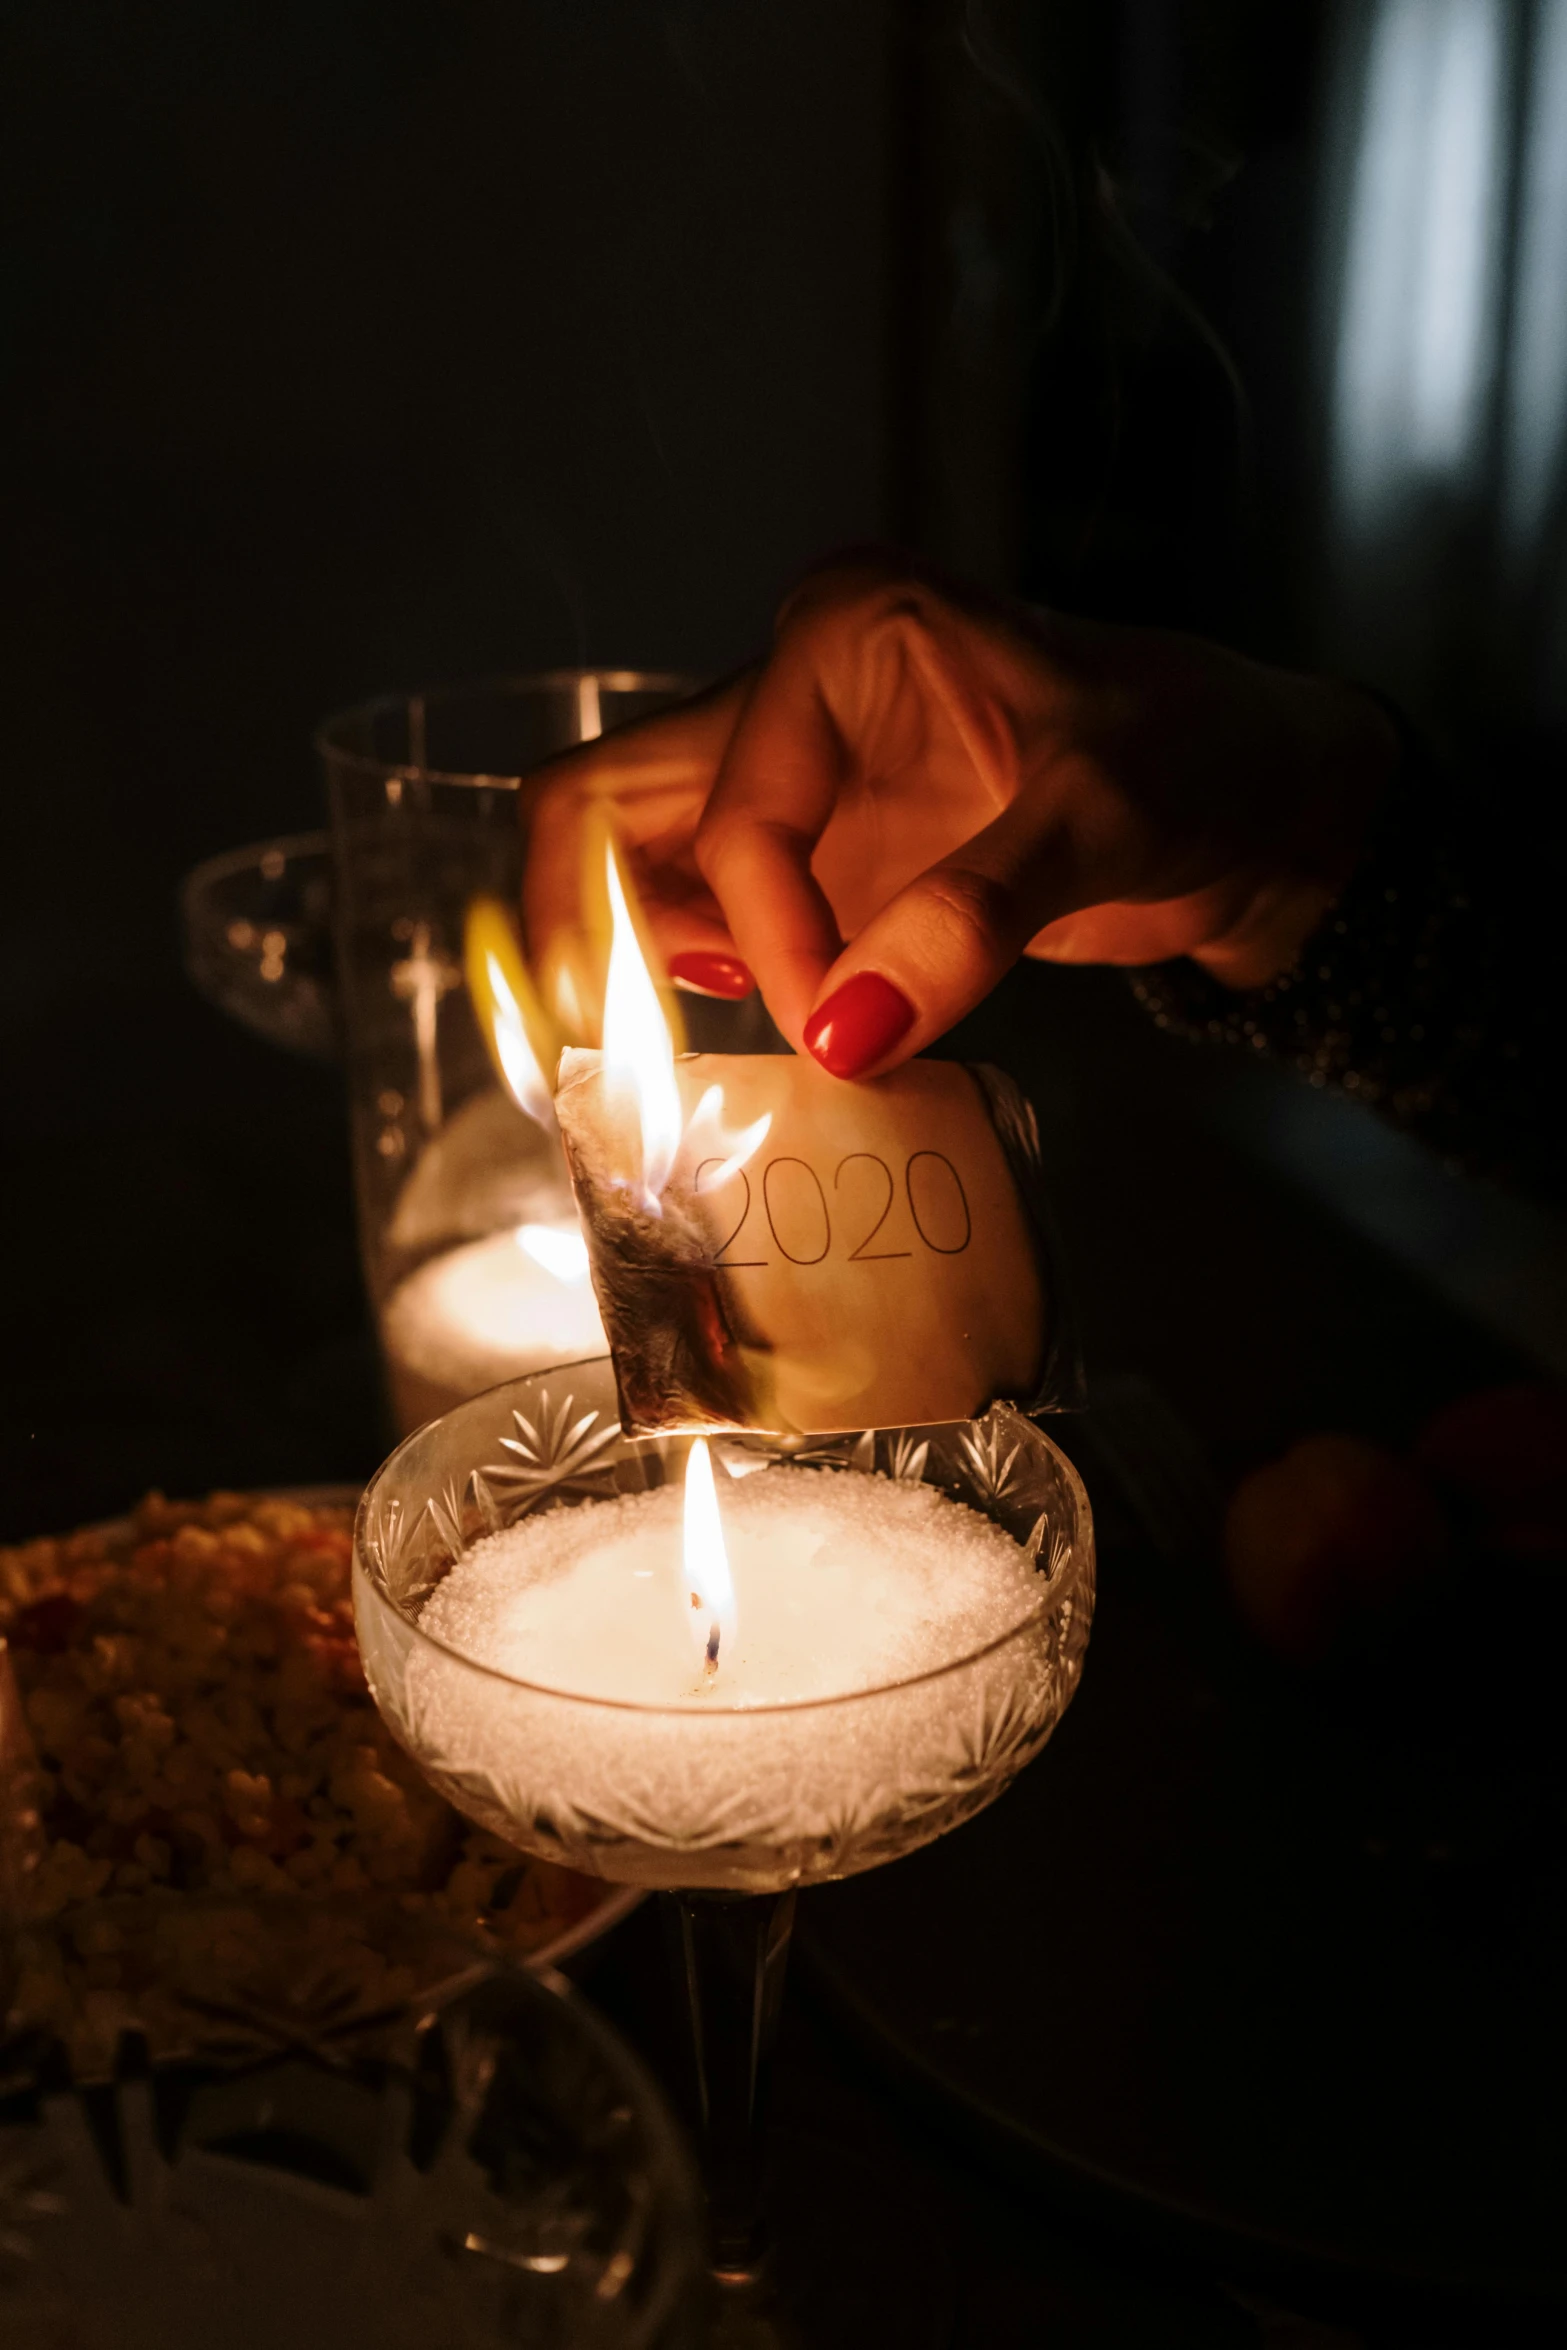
{"x": 919, "y": 785}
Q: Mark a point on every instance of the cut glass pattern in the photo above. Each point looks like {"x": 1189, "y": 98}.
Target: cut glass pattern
{"x": 471, "y": 2161}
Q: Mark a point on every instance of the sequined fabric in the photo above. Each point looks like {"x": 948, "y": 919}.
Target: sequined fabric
{"x": 1413, "y": 993}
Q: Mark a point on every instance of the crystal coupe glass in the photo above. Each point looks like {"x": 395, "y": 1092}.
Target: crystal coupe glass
{"x": 728, "y": 1811}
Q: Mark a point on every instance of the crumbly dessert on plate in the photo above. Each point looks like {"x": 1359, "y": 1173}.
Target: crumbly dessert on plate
{"x": 199, "y": 1726}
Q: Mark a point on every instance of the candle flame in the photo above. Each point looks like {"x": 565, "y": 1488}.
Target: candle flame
{"x": 707, "y": 1577}
{"x": 639, "y": 1051}
{"x": 511, "y": 1019}
{"x": 557, "y": 1247}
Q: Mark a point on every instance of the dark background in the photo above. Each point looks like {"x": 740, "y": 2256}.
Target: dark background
{"x": 350, "y": 347}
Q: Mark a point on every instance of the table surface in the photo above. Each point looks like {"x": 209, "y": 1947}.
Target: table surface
{"x": 184, "y": 1310}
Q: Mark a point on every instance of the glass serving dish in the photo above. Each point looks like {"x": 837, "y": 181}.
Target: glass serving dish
{"x": 338, "y": 2135}
{"x": 728, "y": 1811}
{"x": 151, "y": 1667}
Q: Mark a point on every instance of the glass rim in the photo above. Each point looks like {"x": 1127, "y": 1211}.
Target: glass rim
{"x": 1082, "y": 1539}
{"x": 227, "y": 864}
{"x": 328, "y": 745}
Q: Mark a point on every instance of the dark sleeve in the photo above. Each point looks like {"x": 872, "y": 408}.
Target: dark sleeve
{"x": 1428, "y": 989}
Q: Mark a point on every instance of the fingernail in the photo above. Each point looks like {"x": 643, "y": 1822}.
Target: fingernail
{"x": 859, "y": 1024}
{"x": 722, "y": 975}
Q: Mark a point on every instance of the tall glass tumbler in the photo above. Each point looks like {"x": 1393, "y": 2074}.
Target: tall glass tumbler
{"x": 466, "y": 1221}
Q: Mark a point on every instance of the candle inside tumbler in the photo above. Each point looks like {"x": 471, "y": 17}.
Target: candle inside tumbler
{"x": 518, "y": 1300}
{"x": 841, "y": 1582}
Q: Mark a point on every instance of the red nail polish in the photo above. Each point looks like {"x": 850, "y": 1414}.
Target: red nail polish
{"x": 723, "y": 975}
{"x": 859, "y": 1024}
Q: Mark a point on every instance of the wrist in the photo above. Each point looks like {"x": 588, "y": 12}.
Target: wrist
{"x": 1349, "y": 753}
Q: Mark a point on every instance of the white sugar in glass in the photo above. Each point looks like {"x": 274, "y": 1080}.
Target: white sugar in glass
{"x": 842, "y": 1583}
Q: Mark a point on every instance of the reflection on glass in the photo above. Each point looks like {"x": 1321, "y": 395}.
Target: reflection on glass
{"x": 466, "y": 1216}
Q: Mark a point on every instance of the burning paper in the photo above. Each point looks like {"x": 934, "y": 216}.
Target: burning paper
{"x": 774, "y": 1249}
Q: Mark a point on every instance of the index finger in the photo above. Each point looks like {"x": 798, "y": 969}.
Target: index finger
{"x": 653, "y": 778}
{"x": 776, "y": 787}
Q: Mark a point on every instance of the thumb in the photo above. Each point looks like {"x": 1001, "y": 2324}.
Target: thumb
{"x": 938, "y": 948}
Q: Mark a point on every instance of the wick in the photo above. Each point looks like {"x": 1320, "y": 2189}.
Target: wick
{"x": 712, "y": 1650}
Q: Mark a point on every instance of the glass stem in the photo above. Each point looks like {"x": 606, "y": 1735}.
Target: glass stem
{"x": 730, "y": 1953}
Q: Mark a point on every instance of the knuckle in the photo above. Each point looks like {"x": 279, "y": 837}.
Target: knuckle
{"x": 715, "y": 833}
{"x": 973, "y": 910}
{"x": 728, "y": 834}
{"x": 854, "y": 592}
{"x": 718, "y": 834}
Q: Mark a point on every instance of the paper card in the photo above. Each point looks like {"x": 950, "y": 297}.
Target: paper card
{"x": 870, "y": 1264}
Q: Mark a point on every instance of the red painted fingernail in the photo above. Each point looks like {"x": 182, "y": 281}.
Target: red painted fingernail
{"x": 859, "y": 1024}
{"x": 722, "y": 975}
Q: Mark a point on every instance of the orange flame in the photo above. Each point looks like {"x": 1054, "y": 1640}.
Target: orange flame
{"x": 512, "y": 1021}
{"x": 639, "y": 1049}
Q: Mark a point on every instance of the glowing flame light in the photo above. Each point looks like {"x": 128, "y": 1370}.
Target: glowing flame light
{"x": 507, "y": 1009}
{"x": 711, "y": 1595}
{"x": 561, "y": 1250}
{"x": 519, "y": 1067}
{"x": 639, "y": 1052}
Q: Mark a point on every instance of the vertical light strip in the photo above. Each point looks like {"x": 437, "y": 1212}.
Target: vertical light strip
{"x": 1454, "y": 318}
{"x": 1370, "y": 387}
{"x": 1417, "y": 318}
{"x": 1536, "y": 413}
